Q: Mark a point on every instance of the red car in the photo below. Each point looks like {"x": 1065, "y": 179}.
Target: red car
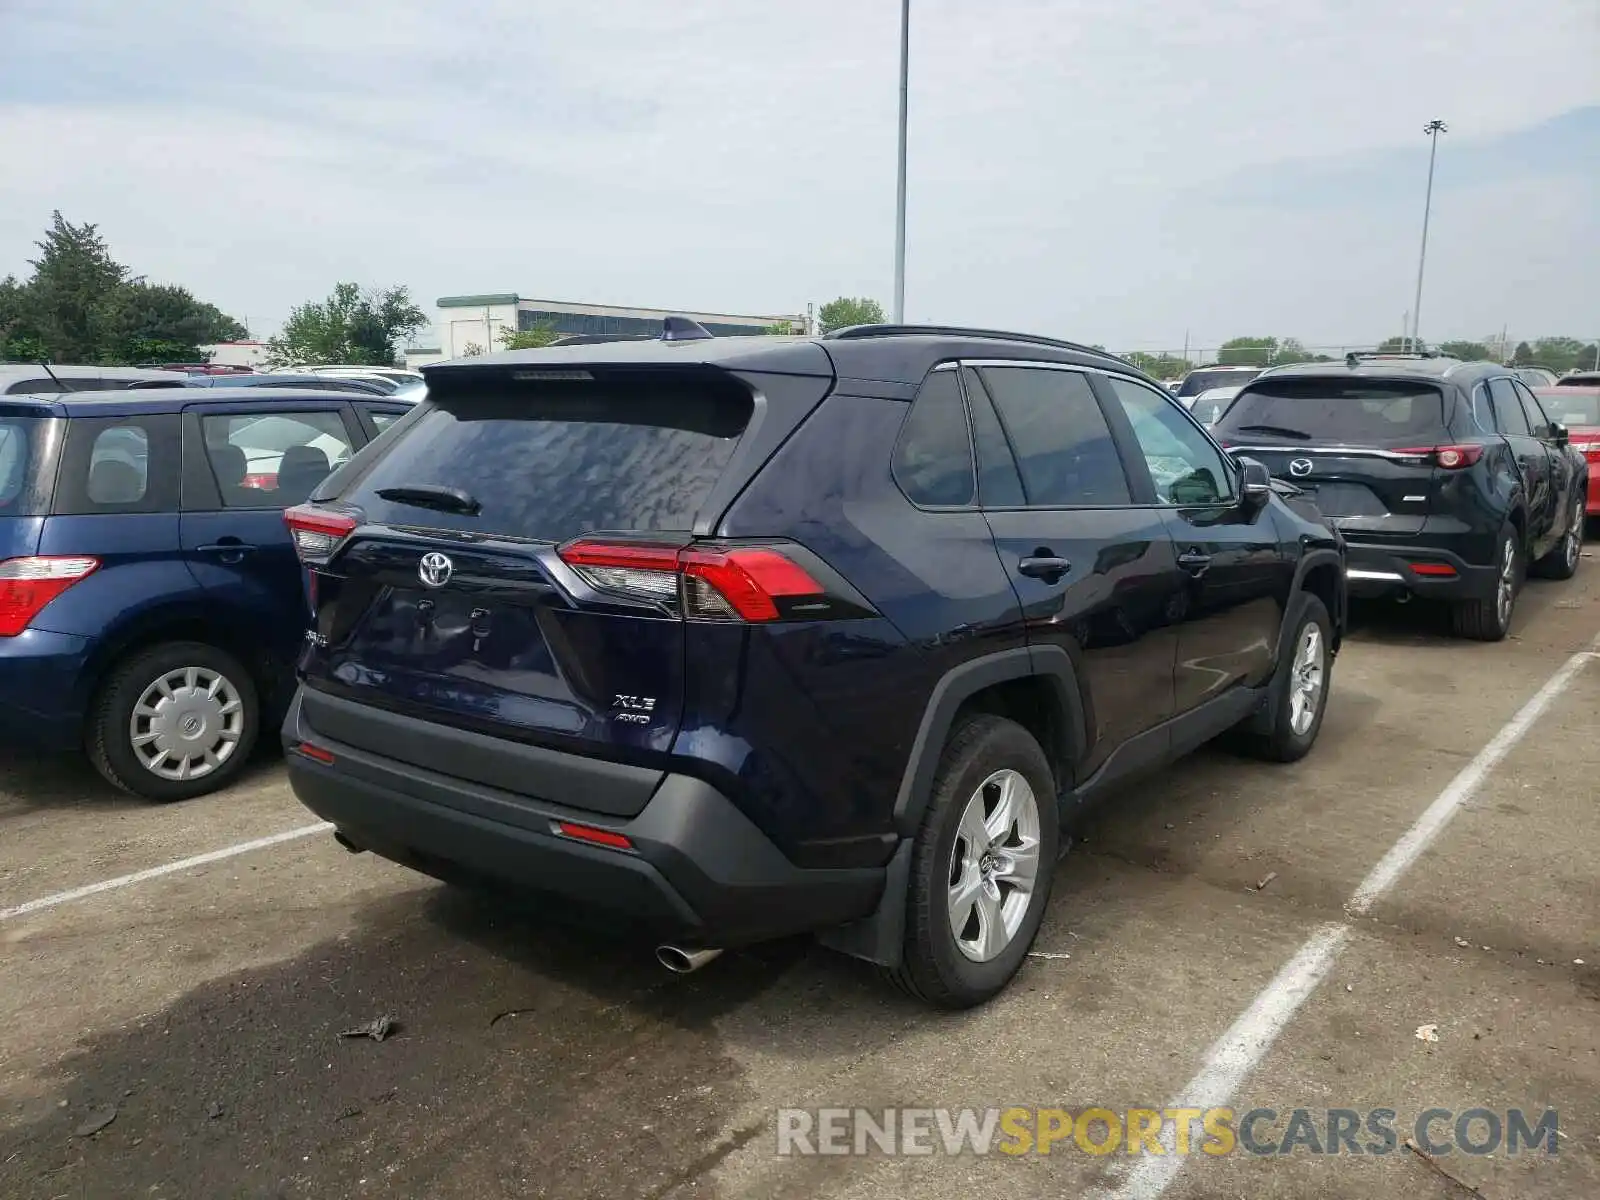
{"x": 1578, "y": 408}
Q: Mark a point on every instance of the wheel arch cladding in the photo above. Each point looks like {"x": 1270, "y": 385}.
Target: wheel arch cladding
{"x": 995, "y": 683}
{"x": 1322, "y": 574}
{"x": 1002, "y": 683}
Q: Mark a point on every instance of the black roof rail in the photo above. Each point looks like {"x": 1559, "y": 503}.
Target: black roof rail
{"x": 1035, "y": 339}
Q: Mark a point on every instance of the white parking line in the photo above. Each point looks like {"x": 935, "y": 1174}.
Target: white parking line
{"x": 183, "y": 864}
{"x": 1237, "y": 1052}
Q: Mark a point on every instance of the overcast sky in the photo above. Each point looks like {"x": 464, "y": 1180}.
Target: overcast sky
{"x": 1118, "y": 171}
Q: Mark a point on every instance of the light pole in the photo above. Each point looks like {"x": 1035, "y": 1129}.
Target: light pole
{"x": 1433, "y": 129}
{"x": 900, "y": 190}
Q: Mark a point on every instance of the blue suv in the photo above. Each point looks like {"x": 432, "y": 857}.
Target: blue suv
{"x": 150, "y": 601}
{"x": 750, "y": 637}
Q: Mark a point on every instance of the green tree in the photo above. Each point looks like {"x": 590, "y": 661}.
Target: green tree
{"x": 1467, "y": 351}
{"x": 1248, "y": 351}
{"x": 81, "y": 305}
{"x": 536, "y": 338}
{"x": 163, "y": 323}
{"x": 1292, "y": 350}
{"x": 350, "y": 326}
{"x": 1161, "y": 366}
{"x": 75, "y": 281}
{"x": 847, "y": 311}
{"x": 1522, "y": 356}
{"x": 1561, "y": 354}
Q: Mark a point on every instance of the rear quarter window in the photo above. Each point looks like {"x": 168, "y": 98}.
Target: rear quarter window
{"x": 119, "y": 465}
{"x": 1336, "y": 410}
{"x": 550, "y": 461}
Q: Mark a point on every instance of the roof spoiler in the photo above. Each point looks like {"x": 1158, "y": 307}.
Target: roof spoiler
{"x": 1356, "y": 357}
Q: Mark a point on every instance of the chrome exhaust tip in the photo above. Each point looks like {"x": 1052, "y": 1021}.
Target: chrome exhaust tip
{"x": 680, "y": 961}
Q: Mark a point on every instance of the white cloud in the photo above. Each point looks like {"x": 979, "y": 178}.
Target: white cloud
{"x": 1075, "y": 166}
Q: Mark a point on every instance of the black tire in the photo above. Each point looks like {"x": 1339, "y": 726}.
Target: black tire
{"x": 109, "y": 738}
{"x": 934, "y": 969}
{"x": 1562, "y": 561}
{"x": 1484, "y": 619}
{"x": 1281, "y": 743}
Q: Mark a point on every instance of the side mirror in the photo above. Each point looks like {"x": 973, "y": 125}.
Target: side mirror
{"x": 1255, "y": 482}
{"x": 1559, "y": 433}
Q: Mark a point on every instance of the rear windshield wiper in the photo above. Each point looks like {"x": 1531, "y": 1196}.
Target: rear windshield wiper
{"x": 433, "y": 495}
{"x": 1280, "y": 430}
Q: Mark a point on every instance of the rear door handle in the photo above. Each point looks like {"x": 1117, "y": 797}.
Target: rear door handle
{"x": 228, "y": 550}
{"x": 1045, "y": 566}
{"x": 1194, "y": 562}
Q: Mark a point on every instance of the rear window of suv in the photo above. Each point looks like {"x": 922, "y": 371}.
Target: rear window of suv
{"x": 1334, "y": 410}
{"x": 552, "y": 461}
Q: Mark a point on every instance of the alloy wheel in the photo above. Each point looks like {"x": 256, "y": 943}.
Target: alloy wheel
{"x": 187, "y": 723}
{"x": 1305, "y": 680}
{"x": 1574, "y": 538}
{"x": 1506, "y": 590}
{"x": 994, "y": 865}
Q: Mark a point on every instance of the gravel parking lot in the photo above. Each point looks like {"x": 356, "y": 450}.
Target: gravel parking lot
{"x": 536, "y": 1057}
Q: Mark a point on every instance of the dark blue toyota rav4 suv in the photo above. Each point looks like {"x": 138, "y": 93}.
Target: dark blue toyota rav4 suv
{"x": 749, "y": 637}
{"x": 150, "y": 600}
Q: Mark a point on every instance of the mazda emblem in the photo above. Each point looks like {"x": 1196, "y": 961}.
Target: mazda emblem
{"x": 1299, "y": 467}
{"x": 435, "y": 569}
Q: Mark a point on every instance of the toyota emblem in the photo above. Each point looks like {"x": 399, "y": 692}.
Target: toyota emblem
{"x": 435, "y": 569}
{"x": 1299, "y": 468}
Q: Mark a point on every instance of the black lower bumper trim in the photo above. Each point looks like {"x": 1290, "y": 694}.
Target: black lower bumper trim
{"x": 699, "y": 870}
{"x": 1376, "y": 570}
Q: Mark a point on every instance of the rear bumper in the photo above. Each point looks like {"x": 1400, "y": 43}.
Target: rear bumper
{"x": 699, "y": 870}
{"x": 1375, "y": 570}
{"x": 1594, "y": 492}
{"x": 40, "y": 705}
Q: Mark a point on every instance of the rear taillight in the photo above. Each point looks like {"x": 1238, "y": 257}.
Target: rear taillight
{"x": 28, "y": 584}
{"x": 316, "y": 532}
{"x": 1590, "y": 450}
{"x": 746, "y": 583}
{"x": 1451, "y": 458}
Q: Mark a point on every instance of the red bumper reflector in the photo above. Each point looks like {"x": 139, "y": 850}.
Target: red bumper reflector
{"x": 597, "y": 837}
{"x": 316, "y": 753}
{"x": 1437, "y": 570}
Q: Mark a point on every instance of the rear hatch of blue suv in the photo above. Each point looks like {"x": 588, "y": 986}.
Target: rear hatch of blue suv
{"x": 38, "y": 667}
{"x": 522, "y": 619}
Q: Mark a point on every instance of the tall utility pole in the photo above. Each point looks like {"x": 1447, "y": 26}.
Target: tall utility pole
{"x": 1433, "y": 129}
{"x": 900, "y": 191}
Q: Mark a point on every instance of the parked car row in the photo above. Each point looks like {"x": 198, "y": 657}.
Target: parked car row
{"x": 748, "y": 637}
{"x": 150, "y": 599}
{"x": 1447, "y": 479}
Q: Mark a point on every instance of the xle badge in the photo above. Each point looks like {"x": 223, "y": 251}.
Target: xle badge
{"x": 635, "y": 710}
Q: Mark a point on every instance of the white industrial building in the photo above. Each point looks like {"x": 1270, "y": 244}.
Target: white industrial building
{"x": 473, "y": 324}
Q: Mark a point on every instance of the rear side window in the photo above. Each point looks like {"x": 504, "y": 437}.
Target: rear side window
{"x": 119, "y": 465}
{"x": 1064, "y": 446}
{"x": 548, "y": 462}
{"x": 1334, "y": 410}
{"x": 1508, "y": 409}
{"x": 273, "y": 460}
{"x": 34, "y": 387}
{"x": 933, "y": 459}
